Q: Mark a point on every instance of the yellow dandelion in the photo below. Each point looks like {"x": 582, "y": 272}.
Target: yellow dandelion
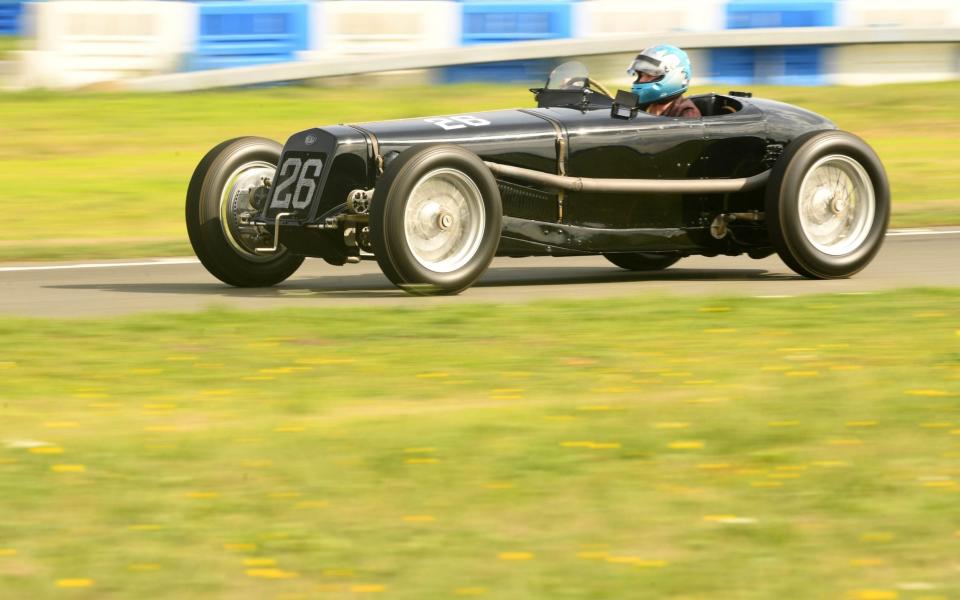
{"x": 470, "y": 591}
{"x": 686, "y": 445}
{"x": 955, "y": 432}
{"x": 419, "y": 519}
{"x": 8, "y": 552}
{"x": 875, "y": 595}
{"x": 342, "y": 573}
{"x": 368, "y": 588}
{"x": 861, "y": 423}
{"x": 498, "y": 485}
{"x": 433, "y": 375}
{"x": 424, "y": 450}
{"x": 671, "y": 425}
{"x": 802, "y": 373}
{"x": 830, "y": 463}
{"x": 927, "y": 392}
{"x": 718, "y": 518}
{"x": 515, "y": 556}
{"x": 74, "y": 583}
{"x": 259, "y": 562}
{"x": 181, "y": 357}
{"x": 271, "y": 573}
{"x": 6, "y": 364}
{"x": 68, "y": 468}
{"x": 46, "y": 450}
{"x": 766, "y": 484}
{"x": 845, "y": 442}
{"x": 721, "y": 330}
{"x": 144, "y": 527}
{"x": 61, "y": 424}
{"x": 946, "y": 483}
{"x": 846, "y": 367}
{"x": 867, "y": 562}
{"x": 422, "y": 461}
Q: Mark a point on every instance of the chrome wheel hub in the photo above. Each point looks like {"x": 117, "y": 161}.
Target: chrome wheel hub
{"x": 235, "y": 200}
{"x": 836, "y": 205}
{"x": 444, "y": 220}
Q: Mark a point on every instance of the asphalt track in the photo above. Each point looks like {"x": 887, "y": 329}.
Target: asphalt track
{"x": 926, "y": 257}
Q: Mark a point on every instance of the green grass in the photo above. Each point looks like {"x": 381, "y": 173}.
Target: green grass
{"x": 688, "y": 448}
{"x": 8, "y": 44}
{"x": 98, "y": 174}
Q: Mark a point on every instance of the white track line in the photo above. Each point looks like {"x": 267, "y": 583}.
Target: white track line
{"x": 192, "y": 261}
{"x": 151, "y": 263}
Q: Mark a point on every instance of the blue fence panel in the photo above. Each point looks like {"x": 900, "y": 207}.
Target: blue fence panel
{"x": 778, "y": 65}
{"x": 486, "y": 22}
{"x": 235, "y": 34}
{"x": 752, "y": 14}
{"x": 10, "y": 22}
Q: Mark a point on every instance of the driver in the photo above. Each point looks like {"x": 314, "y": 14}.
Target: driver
{"x": 662, "y": 76}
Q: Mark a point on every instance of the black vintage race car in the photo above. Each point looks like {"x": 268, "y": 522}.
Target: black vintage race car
{"x": 433, "y": 200}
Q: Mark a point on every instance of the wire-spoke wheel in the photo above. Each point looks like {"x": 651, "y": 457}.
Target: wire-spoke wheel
{"x": 219, "y": 193}
{"x": 827, "y": 205}
{"x": 435, "y": 219}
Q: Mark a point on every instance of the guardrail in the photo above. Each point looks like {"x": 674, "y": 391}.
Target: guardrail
{"x": 550, "y": 49}
{"x": 243, "y": 33}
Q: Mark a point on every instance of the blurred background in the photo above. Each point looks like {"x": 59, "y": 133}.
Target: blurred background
{"x": 71, "y": 43}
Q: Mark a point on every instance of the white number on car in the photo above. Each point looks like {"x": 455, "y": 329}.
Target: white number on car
{"x": 293, "y": 170}
{"x": 460, "y": 122}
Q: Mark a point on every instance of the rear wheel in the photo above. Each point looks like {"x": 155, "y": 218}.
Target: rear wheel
{"x": 435, "y": 219}
{"x": 828, "y": 205}
{"x": 216, "y": 198}
{"x": 642, "y": 261}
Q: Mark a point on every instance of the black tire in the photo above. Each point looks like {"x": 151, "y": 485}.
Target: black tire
{"x": 845, "y": 153}
{"x": 642, "y": 261}
{"x": 225, "y": 258}
{"x": 448, "y": 165}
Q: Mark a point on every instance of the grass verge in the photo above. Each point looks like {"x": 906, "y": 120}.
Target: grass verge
{"x": 734, "y": 448}
{"x": 105, "y": 168}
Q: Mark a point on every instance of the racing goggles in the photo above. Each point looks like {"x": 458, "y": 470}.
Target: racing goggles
{"x": 646, "y": 64}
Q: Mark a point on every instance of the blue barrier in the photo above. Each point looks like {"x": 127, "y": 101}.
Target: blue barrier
{"x": 486, "y": 22}
{"x": 778, "y": 65}
{"x": 234, "y": 34}
{"x": 753, "y": 14}
{"x": 10, "y": 22}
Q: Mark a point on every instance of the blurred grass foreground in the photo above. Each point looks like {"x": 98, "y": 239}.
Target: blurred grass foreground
{"x": 743, "y": 448}
{"x": 105, "y": 175}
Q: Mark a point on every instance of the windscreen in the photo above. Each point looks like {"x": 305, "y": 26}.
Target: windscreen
{"x": 570, "y": 75}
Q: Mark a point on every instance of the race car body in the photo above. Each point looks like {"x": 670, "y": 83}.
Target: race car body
{"x": 433, "y": 199}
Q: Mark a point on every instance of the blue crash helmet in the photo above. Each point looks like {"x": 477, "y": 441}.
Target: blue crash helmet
{"x": 671, "y": 67}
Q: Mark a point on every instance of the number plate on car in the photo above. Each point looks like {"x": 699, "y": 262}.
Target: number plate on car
{"x": 297, "y": 182}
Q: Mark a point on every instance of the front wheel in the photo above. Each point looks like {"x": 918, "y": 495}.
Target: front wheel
{"x": 435, "y": 219}
{"x": 217, "y": 196}
{"x": 828, "y": 205}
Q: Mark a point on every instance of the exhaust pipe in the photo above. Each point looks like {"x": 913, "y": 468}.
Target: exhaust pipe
{"x": 631, "y": 186}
